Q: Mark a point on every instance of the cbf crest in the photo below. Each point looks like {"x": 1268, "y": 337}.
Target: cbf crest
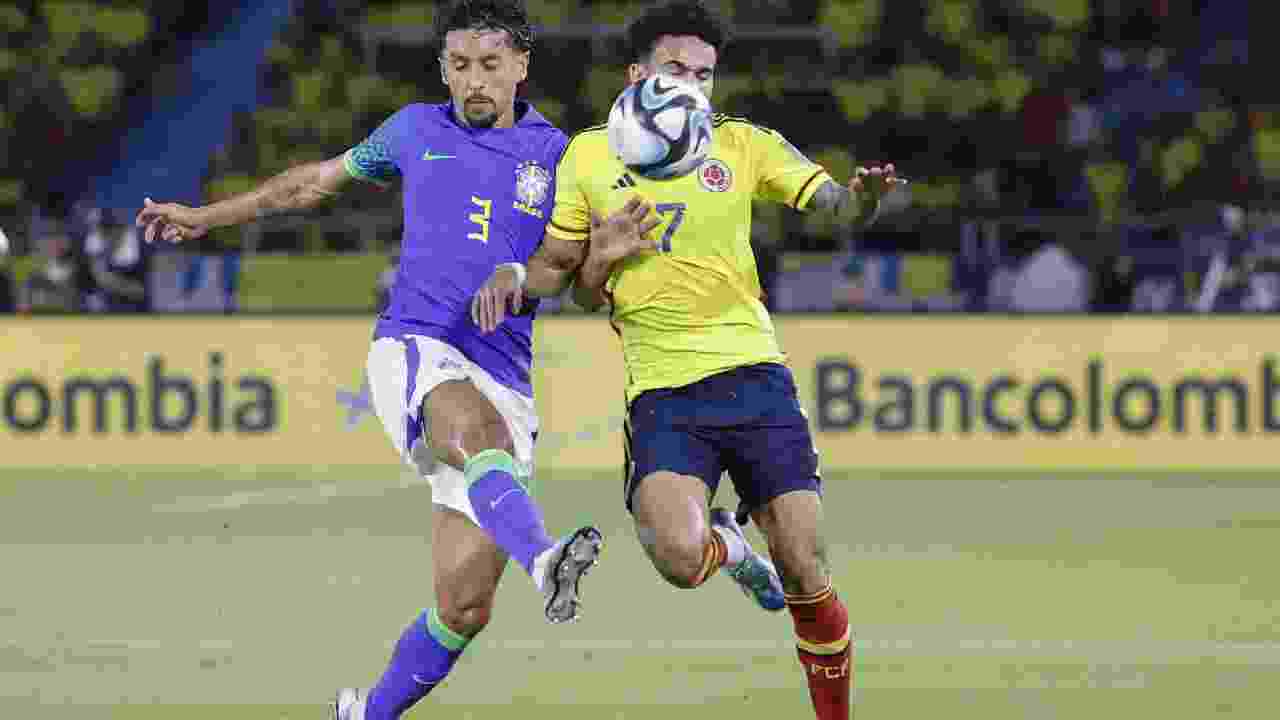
{"x": 533, "y": 182}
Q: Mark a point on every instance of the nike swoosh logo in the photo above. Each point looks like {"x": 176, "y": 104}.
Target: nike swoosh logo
{"x": 428, "y": 155}
{"x": 422, "y": 682}
{"x": 493, "y": 505}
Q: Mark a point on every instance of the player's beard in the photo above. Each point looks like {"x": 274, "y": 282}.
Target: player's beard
{"x": 481, "y": 115}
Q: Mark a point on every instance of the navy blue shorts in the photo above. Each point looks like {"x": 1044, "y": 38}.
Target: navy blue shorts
{"x": 746, "y": 420}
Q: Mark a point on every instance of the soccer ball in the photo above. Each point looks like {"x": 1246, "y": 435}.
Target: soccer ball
{"x": 660, "y": 128}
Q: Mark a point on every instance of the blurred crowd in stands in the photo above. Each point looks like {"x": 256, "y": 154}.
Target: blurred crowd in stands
{"x": 1070, "y": 155}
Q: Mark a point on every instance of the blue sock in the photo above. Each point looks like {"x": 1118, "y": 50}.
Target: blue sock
{"x": 504, "y": 508}
{"x": 423, "y": 657}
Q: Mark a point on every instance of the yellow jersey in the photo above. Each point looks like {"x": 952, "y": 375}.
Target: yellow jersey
{"x": 691, "y": 308}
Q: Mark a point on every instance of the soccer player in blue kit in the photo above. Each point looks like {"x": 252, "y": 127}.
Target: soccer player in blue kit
{"x": 478, "y": 180}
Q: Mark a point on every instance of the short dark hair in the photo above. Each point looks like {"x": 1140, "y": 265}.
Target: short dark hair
{"x": 508, "y": 16}
{"x": 678, "y": 17}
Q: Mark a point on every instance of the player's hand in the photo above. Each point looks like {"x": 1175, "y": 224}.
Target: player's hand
{"x": 875, "y": 182}
{"x": 171, "y": 221}
{"x": 500, "y": 291}
{"x": 624, "y": 233}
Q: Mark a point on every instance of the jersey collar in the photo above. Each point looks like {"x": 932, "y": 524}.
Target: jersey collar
{"x": 526, "y": 115}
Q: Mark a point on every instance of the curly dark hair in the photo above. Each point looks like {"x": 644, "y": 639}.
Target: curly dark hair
{"x": 678, "y": 17}
{"x": 508, "y": 16}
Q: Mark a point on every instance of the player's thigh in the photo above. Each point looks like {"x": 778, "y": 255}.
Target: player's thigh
{"x": 464, "y": 410}
{"x": 671, "y": 471}
{"x": 670, "y": 512}
{"x": 461, "y": 421}
{"x": 467, "y": 564}
{"x": 792, "y": 525}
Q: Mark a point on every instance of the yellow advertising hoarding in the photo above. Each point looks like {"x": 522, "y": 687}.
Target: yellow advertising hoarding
{"x": 1042, "y": 392}
{"x": 174, "y": 390}
{"x": 885, "y": 392}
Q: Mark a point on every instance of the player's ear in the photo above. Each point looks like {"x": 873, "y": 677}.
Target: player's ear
{"x": 523, "y": 60}
{"x": 635, "y": 73}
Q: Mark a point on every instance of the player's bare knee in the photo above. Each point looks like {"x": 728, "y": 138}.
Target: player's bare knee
{"x": 467, "y": 618}
{"x": 682, "y": 562}
{"x": 677, "y": 556}
{"x": 461, "y": 422}
{"x": 464, "y": 437}
{"x": 670, "y": 511}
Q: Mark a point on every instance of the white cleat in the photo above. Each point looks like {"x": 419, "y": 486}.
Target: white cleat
{"x": 350, "y": 703}
{"x": 571, "y": 559}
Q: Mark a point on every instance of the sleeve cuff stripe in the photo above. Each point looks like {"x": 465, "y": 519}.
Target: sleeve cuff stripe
{"x": 562, "y": 230}
{"x": 354, "y": 171}
{"x": 800, "y": 196}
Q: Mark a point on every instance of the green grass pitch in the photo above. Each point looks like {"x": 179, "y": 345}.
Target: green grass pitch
{"x": 219, "y": 593}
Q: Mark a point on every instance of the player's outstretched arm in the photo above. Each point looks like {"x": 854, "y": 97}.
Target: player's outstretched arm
{"x": 588, "y": 286}
{"x": 547, "y": 274}
{"x": 299, "y": 188}
{"x": 860, "y": 199}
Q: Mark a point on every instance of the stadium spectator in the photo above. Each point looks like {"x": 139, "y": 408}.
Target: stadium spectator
{"x": 120, "y": 263}
{"x": 1084, "y": 120}
{"x": 1052, "y": 280}
{"x": 60, "y": 283}
{"x": 1113, "y": 289}
{"x": 1005, "y": 107}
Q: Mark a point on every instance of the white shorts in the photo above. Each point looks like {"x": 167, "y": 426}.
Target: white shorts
{"x": 401, "y": 375}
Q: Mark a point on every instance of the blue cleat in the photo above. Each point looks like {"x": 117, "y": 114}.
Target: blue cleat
{"x": 755, "y": 575}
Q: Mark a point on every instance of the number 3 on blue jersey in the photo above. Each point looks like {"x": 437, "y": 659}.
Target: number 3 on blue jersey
{"x": 677, "y": 210}
{"x": 482, "y": 219}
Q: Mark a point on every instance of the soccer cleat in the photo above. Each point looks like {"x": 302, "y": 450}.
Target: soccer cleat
{"x": 571, "y": 558}
{"x": 350, "y": 704}
{"x": 756, "y": 576}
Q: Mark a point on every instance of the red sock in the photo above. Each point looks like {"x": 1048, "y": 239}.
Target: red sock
{"x": 825, "y": 646}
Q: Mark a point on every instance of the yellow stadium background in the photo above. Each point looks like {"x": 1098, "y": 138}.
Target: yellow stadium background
{"x": 848, "y": 370}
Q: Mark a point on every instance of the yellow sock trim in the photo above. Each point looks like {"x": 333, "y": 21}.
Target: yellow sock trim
{"x": 710, "y": 554}
{"x": 831, "y": 648}
{"x": 811, "y": 598}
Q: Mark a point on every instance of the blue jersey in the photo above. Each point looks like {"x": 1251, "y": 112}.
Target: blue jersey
{"x": 473, "y": 199}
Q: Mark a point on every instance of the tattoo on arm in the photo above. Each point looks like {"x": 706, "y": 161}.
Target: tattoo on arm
{"x": 551, "y": 268}
{"x": 836, "y": 198}
{"x": 299, "y": 188}
{"x": 832, "y": 196}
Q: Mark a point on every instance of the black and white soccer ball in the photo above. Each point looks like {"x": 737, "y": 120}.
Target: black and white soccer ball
{"x": 660, "y": 127}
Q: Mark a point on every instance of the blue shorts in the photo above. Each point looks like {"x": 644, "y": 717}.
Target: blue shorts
{"x": 746, "y": 420}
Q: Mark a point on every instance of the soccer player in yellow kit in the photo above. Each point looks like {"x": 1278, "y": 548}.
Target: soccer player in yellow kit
{"x": 707, "y": 385}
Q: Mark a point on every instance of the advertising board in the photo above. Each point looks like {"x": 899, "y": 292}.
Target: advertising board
{"x": 950, "y": 392}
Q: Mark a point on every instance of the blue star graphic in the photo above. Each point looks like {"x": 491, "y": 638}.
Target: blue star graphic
{"x": 357, "y": 404}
